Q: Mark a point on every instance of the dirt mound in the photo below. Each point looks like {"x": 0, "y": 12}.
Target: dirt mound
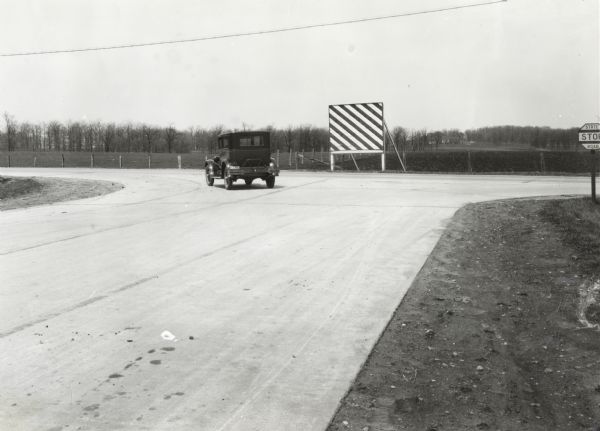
{"x": 11, "y": 188}
{"x": 19, "y": 192}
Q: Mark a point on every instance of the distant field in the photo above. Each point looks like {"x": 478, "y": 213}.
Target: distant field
{"x": 482, "y": 147}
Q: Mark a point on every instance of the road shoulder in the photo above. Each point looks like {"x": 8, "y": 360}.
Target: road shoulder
{"x": 498, "y": 331}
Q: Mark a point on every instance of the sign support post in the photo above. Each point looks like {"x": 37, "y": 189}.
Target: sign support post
{"x": 594, "y": 168}
{"x": 589, "y": 137}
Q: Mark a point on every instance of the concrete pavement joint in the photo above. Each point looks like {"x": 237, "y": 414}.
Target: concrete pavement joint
{"x": 139, "y": 282}
{"x": 152, "y": 220}
{"x": 81, "y": 304}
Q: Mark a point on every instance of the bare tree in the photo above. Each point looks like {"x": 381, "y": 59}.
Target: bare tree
{"x": 170, "y": 136}
{"x": 288, "y": 136}
{"x": 208, "y": 138}
{"x": 55, "y": 132}
{"x": 38, "y": 137}
{"x": 150, "y": 136}
{"x": 128, "y": 137}
{"x": 75, "y": 136}
{"x": 108, "y": 135}
{"x": 400, "y": 135}
{"x": 11, "y": 131}
{"x": 25, "y": 136}
{"x": 90, "y": 136}
{"x": 190, "y": 135}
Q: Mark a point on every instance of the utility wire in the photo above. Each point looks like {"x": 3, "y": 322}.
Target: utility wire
{"x": 252, "y": 33}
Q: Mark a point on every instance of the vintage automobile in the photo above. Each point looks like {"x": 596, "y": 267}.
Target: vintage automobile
{"x": 242, "y": 156}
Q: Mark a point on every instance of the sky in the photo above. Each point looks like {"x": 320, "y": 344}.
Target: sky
{"x": 519, "y": 62}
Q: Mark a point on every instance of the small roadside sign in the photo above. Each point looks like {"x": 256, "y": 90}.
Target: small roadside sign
{"x": 589, "y": 136}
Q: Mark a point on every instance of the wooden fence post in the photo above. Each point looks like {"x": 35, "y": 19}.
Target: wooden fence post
{"x": 149, "y": 161}
{"x": 8, "y": 156}
{"x": 542, "y": 162}
{"x": 62, "y": 163}
{"x": 120, "y": 161}
{"x": 179, "y": 161}
{"x": 34, "y": 161}
{"x": 469, "y": 165}
{"x": 92, "y": 160}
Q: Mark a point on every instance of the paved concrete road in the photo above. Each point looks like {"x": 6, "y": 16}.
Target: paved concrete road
{"x": 274, "y": 297}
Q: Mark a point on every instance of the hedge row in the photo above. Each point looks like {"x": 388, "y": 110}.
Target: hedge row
{"x": 481, "y": 161}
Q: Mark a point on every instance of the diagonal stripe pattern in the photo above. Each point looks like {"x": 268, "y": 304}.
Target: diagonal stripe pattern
{"x": 356, "y": 127}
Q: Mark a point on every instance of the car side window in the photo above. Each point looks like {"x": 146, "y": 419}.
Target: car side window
{"x": 251, "y": 141}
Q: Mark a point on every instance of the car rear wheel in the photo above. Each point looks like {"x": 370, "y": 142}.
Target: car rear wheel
{"x": 270, "y": 182}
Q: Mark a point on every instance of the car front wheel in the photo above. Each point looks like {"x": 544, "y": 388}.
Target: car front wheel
{"x": 270, "y": 182}
{"x": 209, "y": 180}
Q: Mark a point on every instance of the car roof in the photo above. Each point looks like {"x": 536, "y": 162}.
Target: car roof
{"x": 244, "y": 133}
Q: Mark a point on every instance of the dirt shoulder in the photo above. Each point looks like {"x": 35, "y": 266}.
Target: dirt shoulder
{"x": 19, "y": 192}
{"x": 499, "y": 330}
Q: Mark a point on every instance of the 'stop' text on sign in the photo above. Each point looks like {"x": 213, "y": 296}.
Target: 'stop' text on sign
{"x": 589, "y": 136}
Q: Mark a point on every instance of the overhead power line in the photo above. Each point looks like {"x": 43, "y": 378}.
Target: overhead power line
{"x": 251, "y": 33}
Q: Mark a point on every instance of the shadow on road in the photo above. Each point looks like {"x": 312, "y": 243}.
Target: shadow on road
{"x": 240, "y": 187}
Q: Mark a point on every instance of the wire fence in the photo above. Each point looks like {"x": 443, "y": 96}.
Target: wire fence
{"x": 446, "y": 161}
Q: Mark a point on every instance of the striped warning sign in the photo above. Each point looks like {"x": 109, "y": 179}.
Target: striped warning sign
{"x": 356, "y": 128}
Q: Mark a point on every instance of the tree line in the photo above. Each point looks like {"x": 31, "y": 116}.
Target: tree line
{"x": 129, "y": 137}
{"x": 421, "y": 140}
{"x": 496, "y": 136}
{"x": 111, "y": 137}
